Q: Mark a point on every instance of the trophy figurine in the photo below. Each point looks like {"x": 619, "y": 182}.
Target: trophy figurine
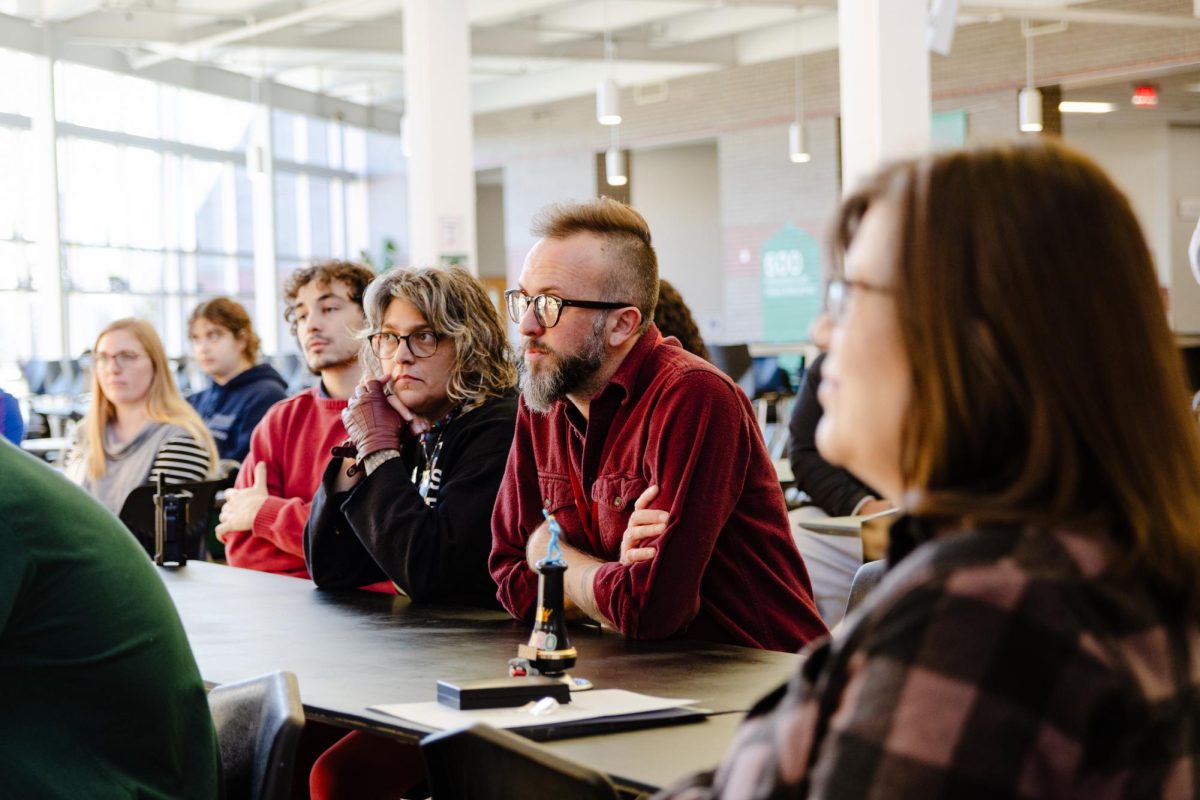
{"x": 549, "y": 651}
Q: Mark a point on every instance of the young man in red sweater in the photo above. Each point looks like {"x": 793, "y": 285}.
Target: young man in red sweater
{"x": 262, "y": 521}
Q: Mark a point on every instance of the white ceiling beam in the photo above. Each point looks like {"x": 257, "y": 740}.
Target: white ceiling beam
{"x": 813, "y": 35}
{"x": 23, "y": 35}
{"x": 193, "y": 48}
{"x": 720, "y": 21}
{"x": 571, "y": 81}
{"x": 588, "y": 16}
{"x": 519, "y": 43}
{"x": 502, "y": 12}
{"x": 1082, "y": 16}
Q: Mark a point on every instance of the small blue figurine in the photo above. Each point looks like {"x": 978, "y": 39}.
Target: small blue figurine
{"x": 553, "y": 551}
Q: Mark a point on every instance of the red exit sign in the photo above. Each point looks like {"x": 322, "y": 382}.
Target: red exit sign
{"x": 1145, "y": 96}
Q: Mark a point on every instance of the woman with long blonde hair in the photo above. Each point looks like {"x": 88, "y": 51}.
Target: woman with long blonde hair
{"x": 137, "y": 425}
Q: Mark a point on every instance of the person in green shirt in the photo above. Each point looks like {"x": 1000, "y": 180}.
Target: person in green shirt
{"x": 100, "y": 696}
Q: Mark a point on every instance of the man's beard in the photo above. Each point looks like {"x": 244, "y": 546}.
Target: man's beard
{"x": 568, "y": 375}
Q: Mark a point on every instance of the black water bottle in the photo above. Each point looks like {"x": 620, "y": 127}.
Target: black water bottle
{"x": 171, "y": 519}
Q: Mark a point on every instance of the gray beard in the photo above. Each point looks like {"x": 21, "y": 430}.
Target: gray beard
{"x": 571, "y": 374}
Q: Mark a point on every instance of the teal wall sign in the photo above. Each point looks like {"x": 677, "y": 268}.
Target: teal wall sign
{"x": 791, "y": 285}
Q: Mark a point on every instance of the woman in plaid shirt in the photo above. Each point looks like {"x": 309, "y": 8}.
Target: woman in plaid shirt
{"x": 1001, "y": 367}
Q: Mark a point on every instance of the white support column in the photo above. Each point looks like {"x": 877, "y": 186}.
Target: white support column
{"x": 441, "y": 171}
{"x": 885, "y": 96}
{"x": 50, "y": 301}
{"x": 268, "y": 313}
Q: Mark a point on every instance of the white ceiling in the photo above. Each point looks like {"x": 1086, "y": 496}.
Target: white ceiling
{"x": 524, "y": 52}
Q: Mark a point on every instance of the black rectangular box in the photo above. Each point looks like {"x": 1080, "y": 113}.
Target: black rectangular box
{"x": 500, "y": 692}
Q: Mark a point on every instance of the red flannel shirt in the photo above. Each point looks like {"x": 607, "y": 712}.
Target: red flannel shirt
{"x": 726, "y": 568}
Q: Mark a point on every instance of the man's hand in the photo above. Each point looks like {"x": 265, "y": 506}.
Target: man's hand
{"x": 644, "y": 523}
{"x": 242, "y": 505}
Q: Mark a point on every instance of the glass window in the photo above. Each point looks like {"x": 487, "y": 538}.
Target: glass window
{"x": 96, "y": 98}
{"x": 18, "y": 163}
{"x": 287, "y": 233}
{"x": 89, "y": 313}
{"x": 17, "y": 97}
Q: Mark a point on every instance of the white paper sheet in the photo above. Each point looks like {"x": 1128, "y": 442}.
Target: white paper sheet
{"x": 584, "y": 705}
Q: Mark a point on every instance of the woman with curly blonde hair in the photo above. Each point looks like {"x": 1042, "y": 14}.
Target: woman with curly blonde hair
{"x": 138, "y": 425}
{"x": 430, "y": 426}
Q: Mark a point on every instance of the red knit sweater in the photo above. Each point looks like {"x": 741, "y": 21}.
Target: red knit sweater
{"x": 293, "y": 440}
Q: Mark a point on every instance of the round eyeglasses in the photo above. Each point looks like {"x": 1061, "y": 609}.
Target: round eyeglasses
{"x": 422, "y": 343}
{"x": 839, "y": 290}
{"x": 547, "y": 308}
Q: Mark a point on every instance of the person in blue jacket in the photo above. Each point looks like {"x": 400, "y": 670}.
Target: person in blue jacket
{"x": 12, "y": 427}
{"x": 226, "y": 347}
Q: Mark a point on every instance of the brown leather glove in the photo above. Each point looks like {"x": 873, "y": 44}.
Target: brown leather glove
{"x": 371, "y": 423}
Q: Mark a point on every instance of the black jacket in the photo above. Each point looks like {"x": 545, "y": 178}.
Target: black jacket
{"x": 382, "y": 529}
{"x": 832, "y": 489}
{"x": 231, "y": 411}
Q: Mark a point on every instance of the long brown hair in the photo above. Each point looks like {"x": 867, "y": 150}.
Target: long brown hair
{"x": 163, "y": 401}
{"x": 1047, "y": 387}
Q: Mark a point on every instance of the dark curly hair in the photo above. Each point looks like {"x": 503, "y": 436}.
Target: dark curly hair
{"x": 673, "y": 318}
{"x": 355, "y": 276}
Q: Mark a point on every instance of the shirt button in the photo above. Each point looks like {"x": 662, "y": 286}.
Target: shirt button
{"x": 618, "y": 502}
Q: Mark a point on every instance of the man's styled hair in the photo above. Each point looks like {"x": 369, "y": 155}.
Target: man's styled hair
{"x": 1011, "y": 313}
{"x": 230, "y": 315}
{"x": 634, "y": 274}
{"x": 455, "y": 306}
{"x": 355, "y": 276}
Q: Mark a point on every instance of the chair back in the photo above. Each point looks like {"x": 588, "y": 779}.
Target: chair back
{"x": 138, "y": 513}
{"x": 258, "y": 724}
{"x": 865, "y": 579}
{"x": 478, "y": 762}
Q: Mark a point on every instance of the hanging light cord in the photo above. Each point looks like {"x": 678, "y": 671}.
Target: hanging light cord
{"x": 1028, "y": 60}
{"x": 798, "y": 76}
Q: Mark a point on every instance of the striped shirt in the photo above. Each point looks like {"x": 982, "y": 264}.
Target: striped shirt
{"x": 181, "y": 459}
{"x": 1001, "y": 662}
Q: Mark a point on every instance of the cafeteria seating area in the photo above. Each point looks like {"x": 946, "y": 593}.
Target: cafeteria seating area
{"x": 220, "y": 220}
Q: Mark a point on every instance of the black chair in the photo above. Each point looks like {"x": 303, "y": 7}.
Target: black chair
{"x": 34, "y": 373}
{"x": 478, "y": 762}
{"x": 138, "y": 512}
{"x": 865, "y": 579}
{"x": 258, "y": 724}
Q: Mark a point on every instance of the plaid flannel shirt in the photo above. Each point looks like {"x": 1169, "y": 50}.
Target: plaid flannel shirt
{"x": 990, "y": 663}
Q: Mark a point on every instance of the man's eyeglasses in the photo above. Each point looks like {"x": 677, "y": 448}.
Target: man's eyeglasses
{"x": 547, "y": 308}
{"x": 422, "y": 343}
{"x": 839, "y": 290}
{"x": 124, "y": 359}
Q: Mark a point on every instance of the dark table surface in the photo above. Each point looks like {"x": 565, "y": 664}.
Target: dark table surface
{"x": 353, "y": 649}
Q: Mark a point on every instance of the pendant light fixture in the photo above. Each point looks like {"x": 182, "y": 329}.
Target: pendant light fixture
{"x": 1029, "y": 101}
{"x": 797, "y": 146}
{"x": 608, "y": 95}
{"x": 614, "y": 161}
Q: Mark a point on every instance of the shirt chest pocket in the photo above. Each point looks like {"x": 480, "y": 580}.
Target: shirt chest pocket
{"x": 613, "y": 498}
